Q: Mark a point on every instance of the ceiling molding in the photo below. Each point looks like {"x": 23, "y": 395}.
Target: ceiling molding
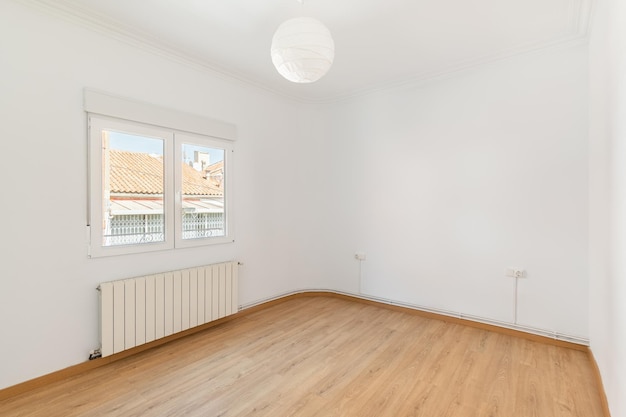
{"x": 580, "y": 12}
{"x": 141, "y": 40}
{"x": 424, "y": 79}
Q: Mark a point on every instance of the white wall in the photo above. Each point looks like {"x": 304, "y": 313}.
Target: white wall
{"x": 608, "y": 198}
{"x": 48, "y": 301}
{"x": 445, "y": 185}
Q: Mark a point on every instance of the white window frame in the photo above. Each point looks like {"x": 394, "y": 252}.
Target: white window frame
{"x": 107, "y": 112}
{"x": 186, "y": 138}
{"x": 96, "y": 199}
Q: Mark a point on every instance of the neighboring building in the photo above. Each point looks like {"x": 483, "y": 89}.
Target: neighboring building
{"x": 135, "y": 196}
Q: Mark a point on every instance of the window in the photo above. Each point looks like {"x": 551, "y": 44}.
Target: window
{"x": 155, "y": 188}
{"x": 201, "y": 185}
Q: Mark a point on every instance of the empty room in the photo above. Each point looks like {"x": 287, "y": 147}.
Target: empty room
{"x": 313, "y": 208}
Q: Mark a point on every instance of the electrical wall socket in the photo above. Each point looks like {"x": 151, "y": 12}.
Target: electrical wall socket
{"x": 359, "y": 256}
{"x": 515, "y": 273}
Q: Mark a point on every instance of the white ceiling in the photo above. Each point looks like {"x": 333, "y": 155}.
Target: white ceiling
{"x": 378, "y": 43}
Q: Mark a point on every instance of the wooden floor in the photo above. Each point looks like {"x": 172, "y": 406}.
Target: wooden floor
{"x": 322, "y": 356}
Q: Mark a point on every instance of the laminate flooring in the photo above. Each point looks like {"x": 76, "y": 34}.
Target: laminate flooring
{"x": 323, "y": 356}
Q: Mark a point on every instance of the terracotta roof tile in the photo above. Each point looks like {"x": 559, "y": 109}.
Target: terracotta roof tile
{"x": 140, "y": 173}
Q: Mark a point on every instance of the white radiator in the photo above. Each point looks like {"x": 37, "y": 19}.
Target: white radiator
{"x": 139, "y": 310}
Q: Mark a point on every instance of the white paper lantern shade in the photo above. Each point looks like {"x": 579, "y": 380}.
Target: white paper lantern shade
{"x": 302, "y": 50}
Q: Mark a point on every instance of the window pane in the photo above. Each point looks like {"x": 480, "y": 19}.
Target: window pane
{"x": 203, "y": 185}
{"x": 132, "y": 186}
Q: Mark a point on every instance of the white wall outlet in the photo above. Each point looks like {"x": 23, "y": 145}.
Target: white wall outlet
{"x": 515, "y": 273}
{"x": 359, "y": 256}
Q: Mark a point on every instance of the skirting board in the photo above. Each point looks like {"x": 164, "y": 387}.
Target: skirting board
{"x": 249, "y": 309}
{"x": 466, "y": 319}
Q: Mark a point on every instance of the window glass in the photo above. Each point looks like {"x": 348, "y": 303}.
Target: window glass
{"x": 133, "y": 179}
{"x": 203, "y": 191}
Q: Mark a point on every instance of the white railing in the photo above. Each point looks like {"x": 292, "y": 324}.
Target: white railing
{"x": 129, "y": 229}
{"x": 198, "y": 225}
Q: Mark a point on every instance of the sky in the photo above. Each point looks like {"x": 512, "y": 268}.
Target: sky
{"x": 133, "y": 143}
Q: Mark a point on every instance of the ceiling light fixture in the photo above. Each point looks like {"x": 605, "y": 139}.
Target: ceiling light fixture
{"x": 302, "y": 49}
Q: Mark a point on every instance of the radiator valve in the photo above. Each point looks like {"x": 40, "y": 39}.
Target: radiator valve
{"x": 95, "y": 354}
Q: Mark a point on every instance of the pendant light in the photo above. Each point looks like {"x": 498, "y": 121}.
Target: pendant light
{"x": 302, "y": 49}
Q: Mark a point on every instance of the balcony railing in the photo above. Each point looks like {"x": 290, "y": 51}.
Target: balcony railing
{"x": 132, "y": 229}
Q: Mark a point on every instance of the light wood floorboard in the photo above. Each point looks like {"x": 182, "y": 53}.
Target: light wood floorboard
{"x": 324, "y": 357}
